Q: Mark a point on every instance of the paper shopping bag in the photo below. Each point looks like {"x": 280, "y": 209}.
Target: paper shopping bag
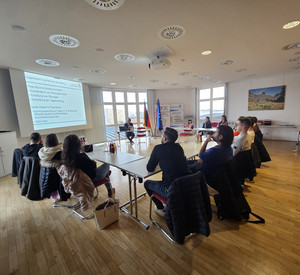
{"x": 106, "y": 213}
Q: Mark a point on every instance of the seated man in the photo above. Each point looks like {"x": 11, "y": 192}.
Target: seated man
{"x": 243, "y": 141}
{"x": 216, "y": 156}
{"x": 130, "y": 135}
{"x": 172, "y": 161}
{"x": 31, "y": 149}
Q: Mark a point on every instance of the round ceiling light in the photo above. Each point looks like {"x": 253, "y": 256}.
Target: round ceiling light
{"x": 124, "y": 57}
{"x": 208, "y": 52}
{"x": 106, "y": 5}
{"x": 18, "y": 28}
{"x": 98, "y": 71}
{"x": 172, "y": 32}
{"x": 203, "y": 78}
{"x": 184, "y": 73}
{"x": 294, "y": 59}
{"x": 240, "y": 70}
{"x": 226, "y": 62}
{"x": 79, "y": 79}
{"x": 64, "y": 41}
{"x": 292, "y": 46}
{"x": 291, "y": 24}
{"x": 47, "y": 62}
{"x": 153, "y": 80}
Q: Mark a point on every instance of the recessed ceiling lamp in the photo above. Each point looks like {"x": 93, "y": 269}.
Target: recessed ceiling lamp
{"x": 132, "y": 85}
{"x": 79, "y": 79}
{"x": 75, "y": 67}
{"x": 240, "y": 70}
{"x": 113, "y": 83}
{"x": 184, "y": 73}
{"x": 64, "y": 41}
{"x": 18, "y": 28}
{"x": 153, "y": 80}
{"x": 131, "y": 77}
{"x": 208, "y": 52}
{"x": 171, "y": 32}
{"x": 98, "y": 71}
{"x": 294, "y": 59}
{"x": 106, "y": 5}
{"x": 124, "y": 57}
{"x": 226, "y": 62}
{"x": 292, "y": 46}
{"x": 291, "y": 24}
{"x": 203, "y": 78}
{"x": 98, "y": 50}
{"x": 47, "y": 62}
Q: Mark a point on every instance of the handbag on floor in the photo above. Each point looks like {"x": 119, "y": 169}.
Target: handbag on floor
{"x": 106, "y": 213}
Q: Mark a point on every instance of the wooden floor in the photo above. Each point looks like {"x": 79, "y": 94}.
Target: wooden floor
{"x": 39, "y": 239}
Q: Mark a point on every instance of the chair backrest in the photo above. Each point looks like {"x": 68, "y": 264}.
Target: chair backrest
{"x": 187, "y": 130}
{"x": 188, "y": 207}
{"x": 29, "y": 178}
{"x": 214, "y": 124}
{"x": 141, "y": 131}
{"x": 244, "y": 165}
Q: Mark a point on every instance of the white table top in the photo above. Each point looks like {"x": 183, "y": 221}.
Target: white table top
{"x": 198, "y": 129}
{"x": 138, "y": 168}
{"x": 114, "y": 159}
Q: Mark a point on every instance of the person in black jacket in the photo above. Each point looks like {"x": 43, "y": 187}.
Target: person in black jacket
{"x": 31, "y": 149}
{"x": 73, "y": 159}
{"x": 130, "y": 134}
{"x": 172, "y": 161}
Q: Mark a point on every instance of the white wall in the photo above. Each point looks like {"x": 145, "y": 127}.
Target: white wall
{"x": 8, "y": 115}
{"x": 238, "y": 103}
{"x": 178, "y": 96}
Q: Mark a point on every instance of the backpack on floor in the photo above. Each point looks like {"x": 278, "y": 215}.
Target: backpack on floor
{"x": 237, "y": 209}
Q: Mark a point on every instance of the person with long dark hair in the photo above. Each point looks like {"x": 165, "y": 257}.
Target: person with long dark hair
{"x": 223, "y": 121}
{"x": 73, "y": 158}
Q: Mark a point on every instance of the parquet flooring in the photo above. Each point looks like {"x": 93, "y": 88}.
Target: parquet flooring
{"x": 36, "y": 238}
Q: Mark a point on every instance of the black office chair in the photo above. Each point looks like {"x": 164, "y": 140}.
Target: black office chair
{"x": 244, "y": 166}
{"x": 29, "y": 178}
{"x": 188, "y": 208}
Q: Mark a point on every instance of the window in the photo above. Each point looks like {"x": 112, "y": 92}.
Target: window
{"x": 211, "y": 104}
{"x": 120, "y": 105}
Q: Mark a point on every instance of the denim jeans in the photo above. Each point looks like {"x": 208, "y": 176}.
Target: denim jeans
{"x": 101, "y": 173}
{"x": 157, "y": 187}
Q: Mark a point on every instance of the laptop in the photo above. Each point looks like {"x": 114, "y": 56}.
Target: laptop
{"x": 123, "y": 128}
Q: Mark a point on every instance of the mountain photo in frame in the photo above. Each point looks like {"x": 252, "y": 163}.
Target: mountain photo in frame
{"x": 264, "y": 99}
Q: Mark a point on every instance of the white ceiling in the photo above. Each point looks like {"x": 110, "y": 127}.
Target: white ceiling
{"x": 249, "y": 32}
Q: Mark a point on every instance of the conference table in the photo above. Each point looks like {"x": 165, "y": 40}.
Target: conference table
{"x": 132, "y": 165}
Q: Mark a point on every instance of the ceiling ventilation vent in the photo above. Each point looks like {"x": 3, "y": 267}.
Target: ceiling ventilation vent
{"x": 294, "y": 59}
{"x": 292, "y": 46}
{"x": 47, "y": 62}
{"x": 124, "y": 57}
{"x": 64, "y": 41}
{"x": 171, "y": 32}
{"x": 106, "y": 5}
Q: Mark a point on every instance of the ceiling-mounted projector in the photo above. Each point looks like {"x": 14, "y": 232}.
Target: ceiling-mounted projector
{"x": 159, "y": 64}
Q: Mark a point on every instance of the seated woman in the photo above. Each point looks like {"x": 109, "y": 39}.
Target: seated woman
{"x": 223, "y": 121}
{"x": 79, "y": 172}
{"x": 206, "y": 124}
{"x": 50, "y": 157}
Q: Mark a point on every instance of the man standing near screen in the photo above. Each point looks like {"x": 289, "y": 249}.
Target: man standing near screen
{"x": 129, "y": 134}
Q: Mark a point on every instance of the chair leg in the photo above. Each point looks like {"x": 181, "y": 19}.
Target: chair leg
{"x": 158, "y": 225}
{"x": 75, "y": 211}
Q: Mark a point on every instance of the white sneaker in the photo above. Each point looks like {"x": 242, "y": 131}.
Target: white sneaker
{"x": 160, "y": 212}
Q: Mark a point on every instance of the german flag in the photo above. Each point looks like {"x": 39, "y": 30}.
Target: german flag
{"x": 146, "y": 120}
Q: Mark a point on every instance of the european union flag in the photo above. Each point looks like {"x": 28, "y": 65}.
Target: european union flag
{"x": 159, "y": 123}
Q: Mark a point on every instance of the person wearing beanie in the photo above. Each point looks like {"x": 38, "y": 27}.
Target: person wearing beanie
{"x": 172, "y": 161}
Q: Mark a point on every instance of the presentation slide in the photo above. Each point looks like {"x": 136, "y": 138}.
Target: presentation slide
{"x": 54, "y": 102}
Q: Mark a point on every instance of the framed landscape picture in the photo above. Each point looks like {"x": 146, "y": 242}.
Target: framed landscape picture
{"x": 264, "y": 99}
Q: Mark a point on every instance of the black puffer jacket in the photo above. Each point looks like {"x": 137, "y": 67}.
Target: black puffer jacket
{"x": 188, "y": 207}
{"x": 49, "y": 178}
